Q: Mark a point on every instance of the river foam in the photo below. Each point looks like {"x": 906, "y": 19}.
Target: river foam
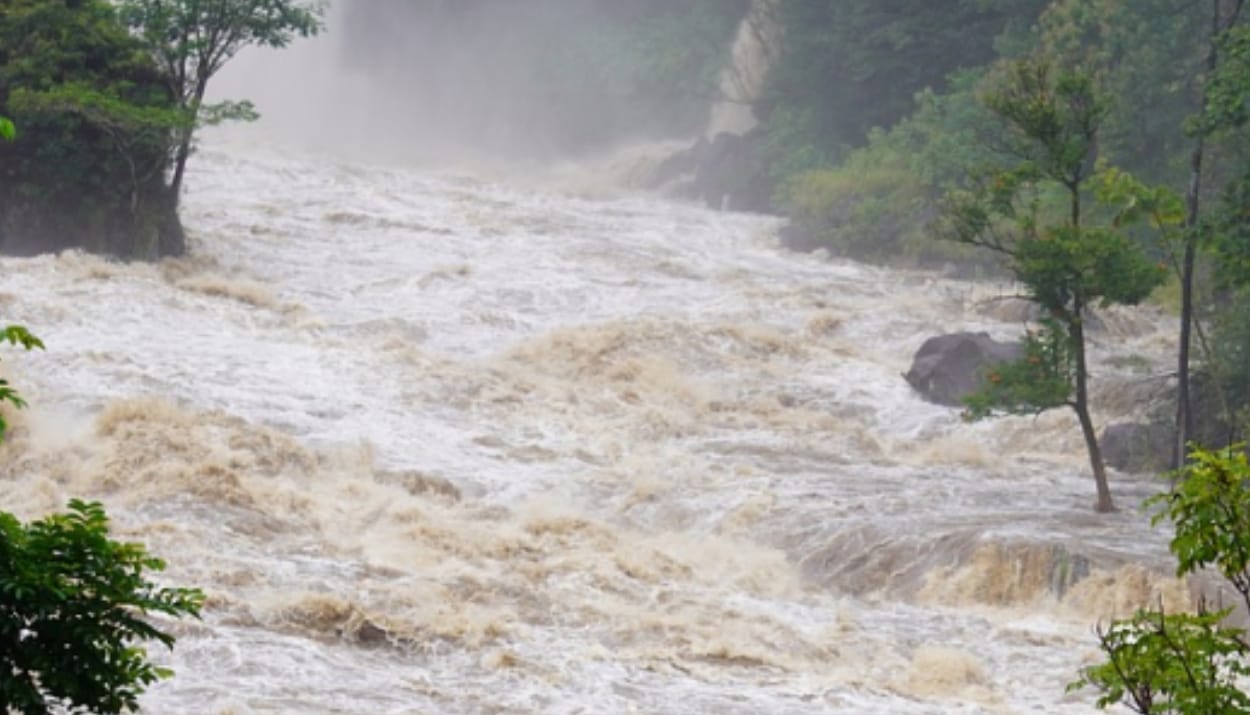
{"x": 436, "y": 444}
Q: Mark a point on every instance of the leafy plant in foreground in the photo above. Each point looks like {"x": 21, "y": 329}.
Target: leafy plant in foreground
{"x": 1187, "y": 663}
{"x": 72, "y": 603}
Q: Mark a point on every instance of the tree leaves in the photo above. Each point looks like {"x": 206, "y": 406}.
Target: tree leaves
{"x": 1210, "y": 509}
{"x": 14, "y": 335}
{"x": 1041, "y": 380}
{"x": 1065, "y": 262}
{"x": 191, "y": 40}
{"x": 1170, "y": 663}
{"x": 1187, "y": 663}
{"x": 70, "y": 616}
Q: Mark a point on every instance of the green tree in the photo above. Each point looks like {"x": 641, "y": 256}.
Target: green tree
{"x": 1035, "y": 216}
{"x": 1222, "y": 106}
{"x": 1187, "y": 663}
{"x": 129, "y": 131}
{"x": 1223, "y": 231}
{"x": 1170, "y": 663}
{"x": 192, "y": 40}
{"x": 80, "y": 87}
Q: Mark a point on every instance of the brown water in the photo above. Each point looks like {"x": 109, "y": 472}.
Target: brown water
{"x": 434, "y": 444}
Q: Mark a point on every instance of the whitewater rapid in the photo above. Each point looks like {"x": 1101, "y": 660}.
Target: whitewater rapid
{"x": 433, "y": 443}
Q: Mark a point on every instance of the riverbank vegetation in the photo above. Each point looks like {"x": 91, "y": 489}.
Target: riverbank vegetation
{"x": 108, "y": 97}
{"x": 1133, "y": 171}
{"x": 1156, "y": 662}
{"x": 874, "y": 118}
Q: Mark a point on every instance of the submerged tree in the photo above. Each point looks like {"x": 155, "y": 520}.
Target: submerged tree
{"x": 1223, "y": 106}
{"x": 1035, "y": 215}
{"x": 193, "y": 39}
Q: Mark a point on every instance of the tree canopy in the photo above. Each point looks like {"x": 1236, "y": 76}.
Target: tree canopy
{"x": 1066, "y": 263}
{"x": 191, "y": 40}
{"x": 88, "y": 166}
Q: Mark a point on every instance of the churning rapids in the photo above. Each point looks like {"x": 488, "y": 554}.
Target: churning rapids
{"x": 435, "y": 444}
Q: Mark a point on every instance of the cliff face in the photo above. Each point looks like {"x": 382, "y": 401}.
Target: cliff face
{"x": 756, "y": 48}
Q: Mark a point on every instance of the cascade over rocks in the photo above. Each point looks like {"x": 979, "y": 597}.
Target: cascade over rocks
{"x": 948, "y": 367}
{"x": 726, "y": 172}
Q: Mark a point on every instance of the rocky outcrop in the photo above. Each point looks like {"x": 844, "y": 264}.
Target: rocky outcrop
{"x": 730, "y": 173}
{"x": 948, "y": 367}
{"x": 150, "y": 232}
{"x": 1137, "y": 446}
{"x": 725, "y": 172}
{"x": 1146, "y": 443}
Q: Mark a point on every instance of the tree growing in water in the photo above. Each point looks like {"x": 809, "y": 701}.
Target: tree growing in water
{"x": 1035, "y": 216}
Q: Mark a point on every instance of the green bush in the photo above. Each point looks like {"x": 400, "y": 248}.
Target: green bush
{"x": 1193, "y": 664}
{"x": 72, "y": 603}
{"x": 88, "y": 168}
{"x": 869, "y": 212}
{"x": 14, "y": 335}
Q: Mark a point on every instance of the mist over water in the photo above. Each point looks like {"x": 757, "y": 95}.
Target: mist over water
{"x": 437, "y": 442}
{"x": 479, "y": 81}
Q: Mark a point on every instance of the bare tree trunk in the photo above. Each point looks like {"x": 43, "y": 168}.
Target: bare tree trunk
{"x": 1104, "y": 503}
{"x": 1184, "y": 415}
{"x": 184, "y": 141}
{"x": 1081, "y": 406}
{"x": 180, "y": 165}
{"x": 1220, "y": 23}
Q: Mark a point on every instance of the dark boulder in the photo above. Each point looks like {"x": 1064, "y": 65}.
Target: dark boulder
{"x": 1137, "y": 446}
{"x": 677, "y": 167}
{"x": 947, "y": 368}
{"x": 730, "y": 173}
{"x": 726, "y": 172}
{"x": 801, "y": 239}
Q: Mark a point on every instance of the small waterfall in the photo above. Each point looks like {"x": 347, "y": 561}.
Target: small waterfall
{"x": 755, "y": 50}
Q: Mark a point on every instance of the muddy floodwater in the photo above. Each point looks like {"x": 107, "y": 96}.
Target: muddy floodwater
{"x": 445, "y": 443}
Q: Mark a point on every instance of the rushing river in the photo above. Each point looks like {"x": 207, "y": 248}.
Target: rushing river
{"x": 438, "y": 444}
